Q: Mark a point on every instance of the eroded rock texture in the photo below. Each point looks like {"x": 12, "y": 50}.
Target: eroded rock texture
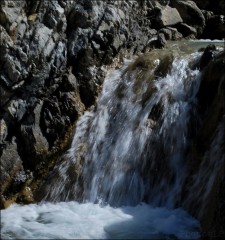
{"x": 204, "y": 189}
{"x": 54, "y": 56}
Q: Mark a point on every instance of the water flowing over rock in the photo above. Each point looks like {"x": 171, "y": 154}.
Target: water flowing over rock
{"x": 143, "y": 140}
{"x": 53, "y": 58}
{"x": 148, "y": 129}
{"x": 121, "y": 143}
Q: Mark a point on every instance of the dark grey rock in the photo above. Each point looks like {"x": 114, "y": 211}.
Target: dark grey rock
{"x": 158, "y": 42}
{"x": 8, "y": 15}
{"x": 21, "y": 29}
{"x": 17, "y": 109}
{"x": 207, "y": 56}
{"x": 13, "y": 69}
{"x": 41, "y": 35}
{"x": 80, "y": 17}
{"x": 38, "y": 76}
{"x": 69, "y": 82}
{"x": 3, "y": 132}
{"x": 22, "y": 55}
{"x": 69, "y": 105}
{"x": 218, "y": 7}
{"x": 35, "y": 144}
{"x": 53, "y": 15}
{"x": 11, "y": 164}
{"x": 161, "y": 40}
{"x": 6, "y": 40}
{"x": 215, "y": 28}
{"x": 167, "y": 16}
{"x": 186, "y": 30}
{"x": 190, "y": 13}
{"x": 212, "y": 75}
{"x": 207, "y": 14}
{"x": 78, "y": 41}
{"x": 5, "y": 94}
{"x": 207, "y": 152}
{"x": 171, "y": 33}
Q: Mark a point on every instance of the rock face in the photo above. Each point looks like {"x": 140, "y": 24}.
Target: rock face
{"x": 205, "y": 177}
{"x": 53, "y": 58}
{"x": 11, "y": 163}
{"x": 168, "y": 16}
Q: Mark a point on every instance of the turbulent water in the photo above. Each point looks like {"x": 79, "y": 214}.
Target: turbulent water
{"x": 132, "y": 145}
{"x": 131, "y": 148}
{"x": 71, "y": 220}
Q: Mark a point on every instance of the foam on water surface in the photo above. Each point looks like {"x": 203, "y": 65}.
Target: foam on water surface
{"x": 72, "y": 220}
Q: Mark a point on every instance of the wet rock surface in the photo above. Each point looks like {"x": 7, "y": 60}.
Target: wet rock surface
{"x": 206, "y": 157}
{"x": 52, "y": 61}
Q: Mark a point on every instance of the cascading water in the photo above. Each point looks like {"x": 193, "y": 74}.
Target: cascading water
{"x": 130, "y": 148}
{"x": 132, "y": 145}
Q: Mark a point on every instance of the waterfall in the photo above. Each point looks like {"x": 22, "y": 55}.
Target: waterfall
{"x": 123, "y": 175}
{"x": 132, "y": 146}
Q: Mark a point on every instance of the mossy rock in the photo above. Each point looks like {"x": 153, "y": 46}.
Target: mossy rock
{"x": 147, "y": 68}
{"x": 159, "y": 62}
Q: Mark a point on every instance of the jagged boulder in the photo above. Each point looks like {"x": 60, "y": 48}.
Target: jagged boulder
{"x": 186, "y": 30}
{"x": 190, "y": 14}
{"x": 171, "y": 33}
{"x": 167, "y": 16}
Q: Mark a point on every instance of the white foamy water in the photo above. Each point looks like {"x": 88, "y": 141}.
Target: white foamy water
{"x": 71, "y": 220}
{"x": 131, "y": 147}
